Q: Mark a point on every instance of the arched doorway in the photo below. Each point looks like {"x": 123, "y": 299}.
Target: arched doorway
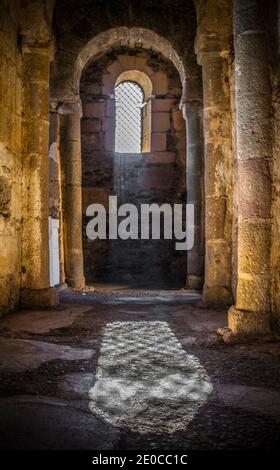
{"x": 134, "y": 147}
{"x": 67, "y": 87}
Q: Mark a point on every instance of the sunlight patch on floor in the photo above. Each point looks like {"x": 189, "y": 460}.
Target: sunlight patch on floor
{"x": 145, "y": 380}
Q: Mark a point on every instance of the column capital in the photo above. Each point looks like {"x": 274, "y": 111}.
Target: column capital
{"x": 207, "y": 46}
{"x": 191, "y": 106}
{"x": 191, "y": 93}
{"x": 71, "y": 106}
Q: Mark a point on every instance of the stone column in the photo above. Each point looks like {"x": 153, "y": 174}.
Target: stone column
{"x": 192, "y": 111}
{"x": 71, "y": 159}
{"x": 218, "y": 154}
{"x": 36, "y": 291}
{"x": 254, "y": 159}
{"x": 55, "y": 182}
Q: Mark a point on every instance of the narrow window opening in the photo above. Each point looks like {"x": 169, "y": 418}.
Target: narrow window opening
{"x": 129, "y": 98}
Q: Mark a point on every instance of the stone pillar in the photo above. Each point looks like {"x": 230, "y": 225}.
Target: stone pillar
{"x": 254, "y": 159}
{"x": 55, "y": 183}
{"x": 36, "y": 291}
{"x": 218, "y": 154}
{"x": 192, "y": 111}
{"x": 71, "y": 160}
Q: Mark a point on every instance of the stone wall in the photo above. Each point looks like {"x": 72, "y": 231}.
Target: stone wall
{"x": 10, "y": 156}
{"x": 157, "y": 176}
{"x": 213, "y": 47}
{"x": 274, "y": 28}
{"x": 171, "y": 26}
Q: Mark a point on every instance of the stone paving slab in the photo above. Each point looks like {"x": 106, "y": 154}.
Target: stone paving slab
{"x": 17, "y": 355}
{"x": 41, "y": 322}
{"x": 202, "y": 320}
{"x": 45, "y": 423}
{"x": 257, "y": 399}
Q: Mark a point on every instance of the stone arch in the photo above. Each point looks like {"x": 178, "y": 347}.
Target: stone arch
{"x": 65, "y": 89}
{"x": 124, "y": 36}
{"x": 139, "y": 77}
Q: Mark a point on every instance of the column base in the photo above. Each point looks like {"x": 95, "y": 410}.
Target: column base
{"x": 76, "y": 283}
{"x": 194, "y": 282}
{"x": 248, "y": 323}
{"x": 39, "y": 298}
{"x": 217, "y": 296}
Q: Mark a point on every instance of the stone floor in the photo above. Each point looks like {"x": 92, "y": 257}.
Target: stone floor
{"x": 122, "y": 369}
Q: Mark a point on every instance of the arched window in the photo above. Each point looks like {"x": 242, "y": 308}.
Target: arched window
{"x": 129, "y": 98}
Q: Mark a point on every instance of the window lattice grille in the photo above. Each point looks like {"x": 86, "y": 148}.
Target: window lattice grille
{"x": 129, "y": 101}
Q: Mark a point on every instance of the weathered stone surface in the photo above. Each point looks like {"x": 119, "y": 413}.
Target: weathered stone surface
{"x": 9, "y": 293}
{"x": 257, "y": 202}
{"x": 218, "y": 168}
{"x": 254, "y": 254}
{"x": 67, "y": 427}
{"x": 205, "y": 321}
{"x": 5, "y": 196}
{"x": 76, "y": 386}
{"x": 195, "y": 282}
{"x": 256, "y": 399}
{"x": 35, "y": 174}
{"x": 254, "y": 151}
{"x": 41, "y": 322}
{"x": 39, "y": 297}
{"x": 275, "y": 213}
{"x": 18, "y": 355}
{"x": 10, "y": 157}
{"x": 216, "y": 289}
{"x": 252, "y": 293}
{"x": 248, "y": 322}
{"x": 72, "y": 200}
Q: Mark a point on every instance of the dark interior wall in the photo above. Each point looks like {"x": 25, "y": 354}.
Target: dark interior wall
{"x": 78, "y": 21}
{"x": 158, "y": 176}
